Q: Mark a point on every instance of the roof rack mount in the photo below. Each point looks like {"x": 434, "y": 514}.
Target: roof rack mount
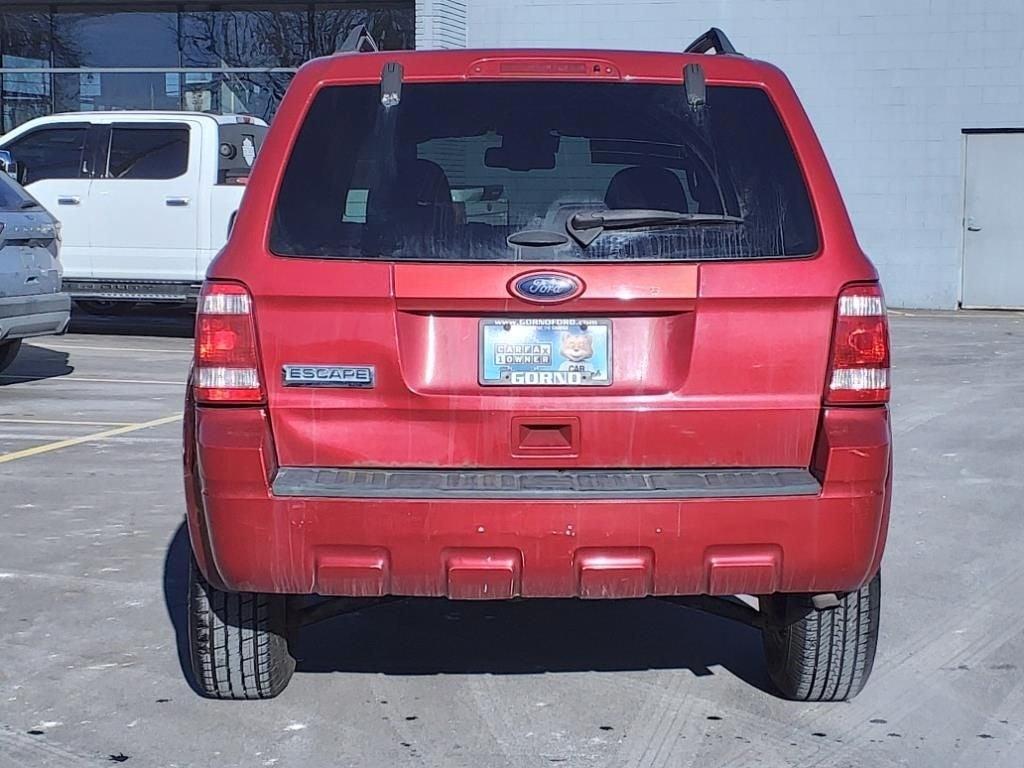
{"x": 359, "y": 40}
{"x": 716, "y": 40}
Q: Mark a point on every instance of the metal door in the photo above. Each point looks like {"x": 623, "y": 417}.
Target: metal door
{"x": 993, "y": 273}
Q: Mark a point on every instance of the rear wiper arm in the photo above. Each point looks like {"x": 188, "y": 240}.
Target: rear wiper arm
{"x": 587, "y": 227}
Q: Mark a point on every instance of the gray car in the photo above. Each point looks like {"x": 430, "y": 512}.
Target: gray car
{"x": 31, "y": 301}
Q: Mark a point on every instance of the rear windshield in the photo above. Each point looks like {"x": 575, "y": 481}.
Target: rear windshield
{"x": 461, "y": 171}
{"x": 13, "y": 197}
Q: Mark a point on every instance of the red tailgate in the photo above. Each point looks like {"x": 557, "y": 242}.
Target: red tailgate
{"x": 712, "y": 381}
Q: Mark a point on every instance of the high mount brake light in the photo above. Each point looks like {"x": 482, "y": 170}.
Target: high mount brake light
{"x": 226, "y": 364}
{"x": 859, "y": 370}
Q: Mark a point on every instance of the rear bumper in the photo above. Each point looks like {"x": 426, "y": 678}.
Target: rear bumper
{"x": 22, "y": 317}
{"x": 828, "y": 538}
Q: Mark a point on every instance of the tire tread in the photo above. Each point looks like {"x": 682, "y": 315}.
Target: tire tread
{"x": 827, "y": 654}
{"x": 238, "y": 641}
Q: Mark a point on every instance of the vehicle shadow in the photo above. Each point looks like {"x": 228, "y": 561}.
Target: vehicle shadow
{"x": 35, "y": 363}
{"x": 139, "y": 320}
{"x": 435, "y": 637}
{"x": 176, "y": 597}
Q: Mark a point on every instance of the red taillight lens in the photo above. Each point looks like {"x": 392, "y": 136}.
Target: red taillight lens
{"x": 226, "y": 364}
{"x": 860, "y": 348}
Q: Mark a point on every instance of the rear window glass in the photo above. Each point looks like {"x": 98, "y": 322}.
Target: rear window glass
{"x": 454, "y": 170}
{"x": 13, "y": 197}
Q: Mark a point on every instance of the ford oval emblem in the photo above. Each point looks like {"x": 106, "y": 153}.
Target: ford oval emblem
{"x": 546, "y": 287}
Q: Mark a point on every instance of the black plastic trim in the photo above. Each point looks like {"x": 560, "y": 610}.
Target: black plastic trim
{"x": 970, "y": 131}
{"x": 359, "y": 40}
{"x": 714, "y": 39}
{"x": 140, "y": 290}
{"x": 536, "y": 484}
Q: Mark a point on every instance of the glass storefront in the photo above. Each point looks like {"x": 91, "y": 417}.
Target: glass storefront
{"x": 221, "y": 57}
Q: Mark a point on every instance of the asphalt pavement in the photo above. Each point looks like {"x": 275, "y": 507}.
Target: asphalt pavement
{"x": 92, "y": 580}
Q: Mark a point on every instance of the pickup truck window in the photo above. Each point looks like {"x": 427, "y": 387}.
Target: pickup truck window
{"x": 51, "y": 153}
{"x": 148, "y": 152}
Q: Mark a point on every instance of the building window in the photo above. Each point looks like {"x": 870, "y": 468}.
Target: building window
{"x": 218, "y": 57}
{"x": 24, "y": 95}
{"x": 25, "y": 37}
{"x": 25, "y": 41}
{"x": 95, "y": 91}
{"x": 103, "y": 37}
{"x": 260, "y": 37}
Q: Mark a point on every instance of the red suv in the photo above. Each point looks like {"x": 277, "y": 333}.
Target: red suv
{"x": 536, "y": 324}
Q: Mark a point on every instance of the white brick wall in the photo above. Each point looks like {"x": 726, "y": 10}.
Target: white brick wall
{"x": 441, "y": 24}
{"x": 889, "y": 84}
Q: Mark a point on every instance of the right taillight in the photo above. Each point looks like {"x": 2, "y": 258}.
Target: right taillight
{"x": 226, "y": 363}
{"x": 859, "y": 372}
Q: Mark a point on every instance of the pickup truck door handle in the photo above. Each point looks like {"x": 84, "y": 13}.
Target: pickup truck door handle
{"x": 176, "y": 202}
{"x": 69, "y": 200}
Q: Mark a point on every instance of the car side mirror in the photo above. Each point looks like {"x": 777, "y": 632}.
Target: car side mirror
{"x": 7, "y": 164}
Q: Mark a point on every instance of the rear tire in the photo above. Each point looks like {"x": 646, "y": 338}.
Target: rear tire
{"x": 822, "y": 655}
{"x": 238, "y": 641}
{"x": 8, "y": 351}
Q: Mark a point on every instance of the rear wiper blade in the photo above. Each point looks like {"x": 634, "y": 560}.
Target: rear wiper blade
{"x": 587, "y": 227}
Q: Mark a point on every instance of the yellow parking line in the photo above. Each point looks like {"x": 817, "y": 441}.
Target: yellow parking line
{"x": 90, "y": 379}
{"x": 15, "y": 455}
{"x": 62, "y": 423}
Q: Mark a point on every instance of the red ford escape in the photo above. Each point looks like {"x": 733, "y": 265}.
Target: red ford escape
{"x": 533, "y": 324}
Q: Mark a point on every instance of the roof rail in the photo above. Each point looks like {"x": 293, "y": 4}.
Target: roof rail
{"x": 714, "y": 39}
{"x": 359, "y": 40}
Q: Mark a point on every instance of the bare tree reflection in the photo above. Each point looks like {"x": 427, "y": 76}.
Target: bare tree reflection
{"x": 27, "y": 35}
{"x": 276, "y": 38}
{"x": 393, "y": 28}
{"x": 27, "y": 41}
{"x": 281, "y": 37}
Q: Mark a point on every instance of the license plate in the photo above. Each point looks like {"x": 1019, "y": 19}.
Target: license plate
{"x": 546, "y": 352}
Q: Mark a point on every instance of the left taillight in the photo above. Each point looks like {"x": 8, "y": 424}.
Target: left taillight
{"x": 226, "y": 366}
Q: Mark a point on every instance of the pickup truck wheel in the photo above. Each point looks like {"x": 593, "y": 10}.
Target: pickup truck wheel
{"x": 822, "y": 654}
{"x": 238, "y": 641}
{"x": 8, "y": 351}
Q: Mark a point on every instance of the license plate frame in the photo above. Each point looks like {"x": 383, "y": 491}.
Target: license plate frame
{"x": 583, "y": 362}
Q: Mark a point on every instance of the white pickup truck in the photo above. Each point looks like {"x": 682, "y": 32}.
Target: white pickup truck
{"x": 145, "y": 199}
